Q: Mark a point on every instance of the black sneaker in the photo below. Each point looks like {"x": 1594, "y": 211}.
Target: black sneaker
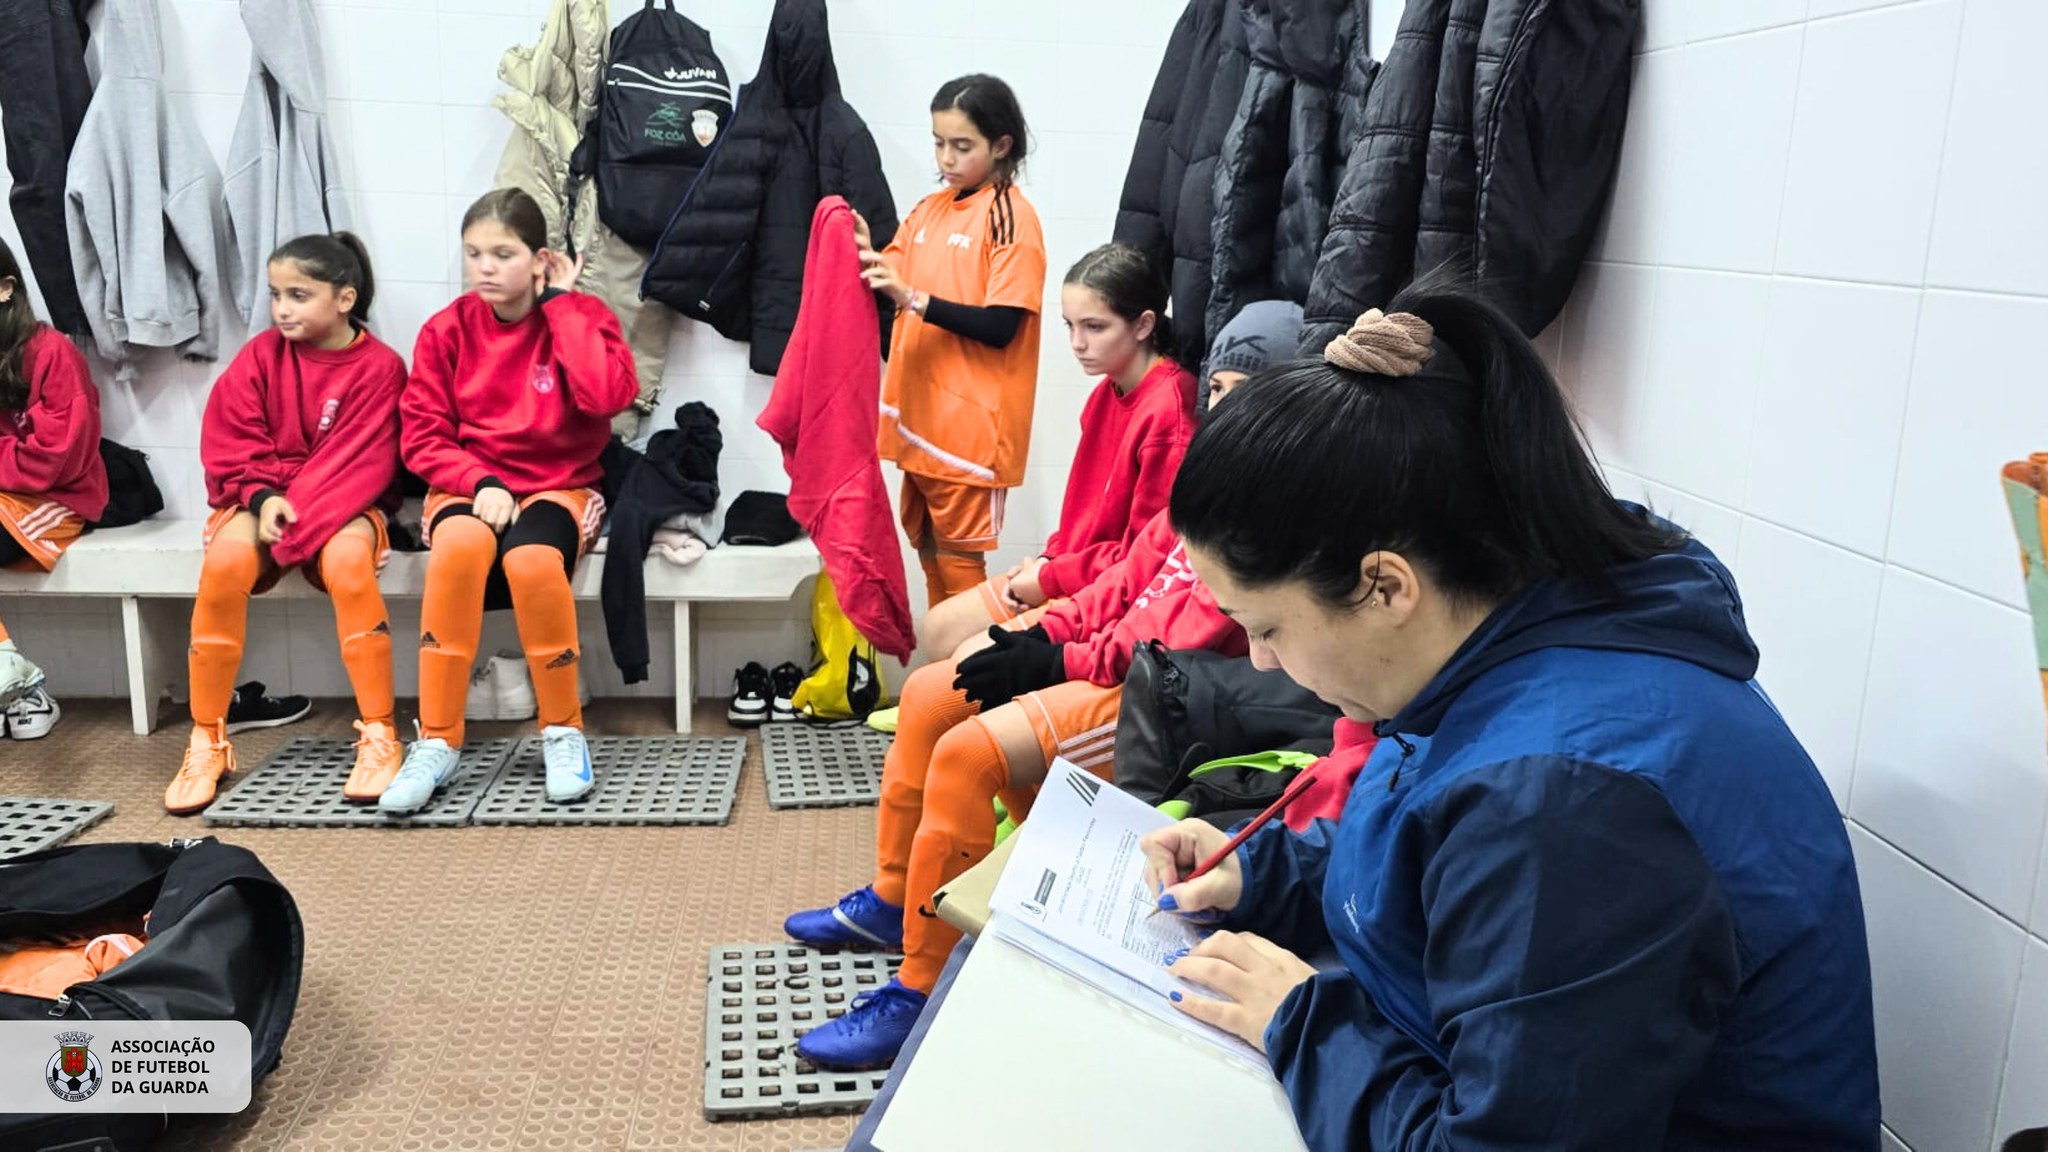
{"x": 252, "y": 709}
{"x": 751, "y": 688}
{"x": 785, "y": 678}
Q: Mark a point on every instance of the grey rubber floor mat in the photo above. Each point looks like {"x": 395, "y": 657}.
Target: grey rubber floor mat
{"x": 33, "y": 823}
{"x": 640, "y": 780}
{"x": 760, "y": 999}
{"x": 300, "y": 784}
{"x": 808, "y": 767}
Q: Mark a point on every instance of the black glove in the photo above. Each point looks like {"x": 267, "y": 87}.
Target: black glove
{"x": 1020, "y": 662}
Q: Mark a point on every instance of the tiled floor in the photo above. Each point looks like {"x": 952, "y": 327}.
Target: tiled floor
{"x": 488, "y": 988}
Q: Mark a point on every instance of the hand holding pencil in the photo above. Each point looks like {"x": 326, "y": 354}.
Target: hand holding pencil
{"x": 1193, "y": 865}
{"x": 1172, "y": 855}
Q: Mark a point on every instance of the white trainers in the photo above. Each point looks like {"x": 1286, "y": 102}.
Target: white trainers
{"x": 32, "y": 716}
{"x": 428, "y": 765}
{"x": 501, "y": 689}
{"x": 18, "y": 674}
{"x": 567, "y": 758}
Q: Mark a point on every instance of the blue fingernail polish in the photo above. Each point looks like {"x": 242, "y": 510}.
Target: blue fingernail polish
{"x": 1168, "y": 903}
{"x": 1174, "y": 996}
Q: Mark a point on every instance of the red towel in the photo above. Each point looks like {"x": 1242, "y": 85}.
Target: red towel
{"x": 823, "y": 413}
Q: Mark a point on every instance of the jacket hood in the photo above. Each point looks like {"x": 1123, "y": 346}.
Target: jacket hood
{"x": 286, "y": 41}
{"x": 132, "y": 40}
{"x": 799, "y": 52}
{"x": 1682, "y": 604}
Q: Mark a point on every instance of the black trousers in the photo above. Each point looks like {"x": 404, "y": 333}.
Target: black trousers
{"x": 43, "y": 95}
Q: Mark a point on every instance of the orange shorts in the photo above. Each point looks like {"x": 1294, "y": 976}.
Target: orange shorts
{"x": 43, "y": 528}
{"x": 950, "y": 516}
{"x": 1075, "y": 720}
{"x": 219, "y": 517}
{"x": 584, "y": 505}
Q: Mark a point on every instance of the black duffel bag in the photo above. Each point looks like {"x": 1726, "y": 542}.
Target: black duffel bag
{"x": 224, "y": 943}
{"x": 1183, "y": 709}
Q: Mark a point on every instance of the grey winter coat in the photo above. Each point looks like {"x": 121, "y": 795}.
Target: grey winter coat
{"x": 282, "y": 178}
{"x": 143, "y": 206}
{"x": 554, "y": 94}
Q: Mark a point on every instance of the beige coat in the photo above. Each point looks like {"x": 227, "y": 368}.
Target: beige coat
{"x": 554, "y": 93}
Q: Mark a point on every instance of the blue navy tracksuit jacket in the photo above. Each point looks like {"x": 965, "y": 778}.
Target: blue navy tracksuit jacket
{"x": 1589, "y": 893}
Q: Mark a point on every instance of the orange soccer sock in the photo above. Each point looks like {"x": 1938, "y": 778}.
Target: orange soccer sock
{"x": 452, "y": 620}
{"x": 930, "y": 708}
{"x": 348, "y": 567}
{"x": 545, "y": 611}
{"x": 220, "y": 627}
{"x": 958, "y": 830}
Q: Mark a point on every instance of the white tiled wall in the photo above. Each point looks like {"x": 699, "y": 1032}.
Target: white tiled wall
{"x": 410, "y": 85}
{"x": 1811, "y": 335}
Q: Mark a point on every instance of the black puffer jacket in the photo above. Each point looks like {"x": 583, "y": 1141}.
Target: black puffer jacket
{"x": 1282, "y": 157}
{"x": 1168, "y": 202}
{"x": 733, "y": 255}
{"x": 1491, "y": 136}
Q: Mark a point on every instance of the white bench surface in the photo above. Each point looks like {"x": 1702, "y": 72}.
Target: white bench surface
{"x": 153, "y": 565}
{"x": 163, "y": 557}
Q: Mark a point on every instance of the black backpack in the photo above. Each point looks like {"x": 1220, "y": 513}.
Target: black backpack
{"x": 1182, "y": 710}
{"x": 132, "y": 494}
{"x": 224, "y": 941}
{"x": 664, "y": 102}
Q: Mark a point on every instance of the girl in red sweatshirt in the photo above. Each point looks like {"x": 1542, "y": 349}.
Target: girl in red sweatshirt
{"x": 52, "y": 481}
{"x": 300, "y": 446}
{"x": 510, "y": 404}
{"x": 1134, "y": 428}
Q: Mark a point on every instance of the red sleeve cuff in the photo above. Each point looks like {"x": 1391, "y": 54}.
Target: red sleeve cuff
{"x": 1052, "y": 581}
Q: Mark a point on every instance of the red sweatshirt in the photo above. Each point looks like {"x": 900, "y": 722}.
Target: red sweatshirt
{"x": 1131, "y": 446}
{"x": 319, "y": 427}
{"x": 1151, "y": 594}
{"x": 51, "y": 447}
{"x": 1335, "y": 773}
{"x": 530, "y": 402}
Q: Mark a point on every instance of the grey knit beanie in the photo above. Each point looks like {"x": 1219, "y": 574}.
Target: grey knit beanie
{"x": 1261, "y": 334}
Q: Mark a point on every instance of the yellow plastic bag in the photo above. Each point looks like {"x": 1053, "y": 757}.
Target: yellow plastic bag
{"x": 846, "y": 677}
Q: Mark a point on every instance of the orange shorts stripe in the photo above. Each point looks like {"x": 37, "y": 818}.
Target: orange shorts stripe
{"x": 1075, "y": 720}
{"x": 43, "y": 527}
{"x": 219, "y": 517}
{"x": 584, "y": 505}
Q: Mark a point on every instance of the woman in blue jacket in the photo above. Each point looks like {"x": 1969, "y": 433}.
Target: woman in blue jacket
{"x": 1589, "y": 893}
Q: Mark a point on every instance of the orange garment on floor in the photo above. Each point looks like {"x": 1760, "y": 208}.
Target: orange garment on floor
{"x": 45, "y": 970}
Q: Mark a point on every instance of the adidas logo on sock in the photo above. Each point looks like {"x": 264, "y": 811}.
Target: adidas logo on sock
{"x": 427, "y": 640}
{"x": 383, "y": 628}
{"x": 567, "y": 658}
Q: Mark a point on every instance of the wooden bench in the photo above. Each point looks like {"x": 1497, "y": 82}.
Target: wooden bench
{"x": 153, "y": 569}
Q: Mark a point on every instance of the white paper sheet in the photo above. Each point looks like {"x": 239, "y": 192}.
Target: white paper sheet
{"x": 1074, "y": 894}
{"x": 1022, "y": 1058}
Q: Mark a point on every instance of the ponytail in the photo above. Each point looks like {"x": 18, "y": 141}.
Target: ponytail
{"x": 1436, "y": 432}
{"x": 367, "y": 289}
{"x": 339, "y": 259}
{"x": 1561, "y": 517}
